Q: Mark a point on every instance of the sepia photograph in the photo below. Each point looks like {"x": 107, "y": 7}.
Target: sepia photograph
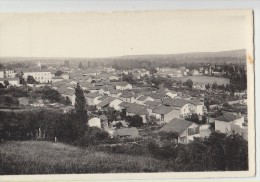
{"x": 131, "y": 92}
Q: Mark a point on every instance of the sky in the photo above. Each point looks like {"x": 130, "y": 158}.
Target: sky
{"x": 111, "y": 34}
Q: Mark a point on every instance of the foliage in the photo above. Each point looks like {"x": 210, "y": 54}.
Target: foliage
{"x": 81, "y": 111}
{"x": 6, "y": 83}
{"x": 80, "y": 65}
{"x": 31, "y": 80}
{"x": 189, "y": 83}
{"x": 134, "y": 121}
{"x": 92, "y": 136}
{"x": 58, "y": 73}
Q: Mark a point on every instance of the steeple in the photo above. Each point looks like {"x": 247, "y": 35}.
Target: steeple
{"x": 39, "y": 65}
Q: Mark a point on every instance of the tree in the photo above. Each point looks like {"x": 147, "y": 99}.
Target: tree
{"x": 22, "y": 81}
{"x": 214, "y": 86}
{"x": 80, "y": 65}
{"x": 189, "y": 83}
{"x": 152, "y": 70}
{"x": 58, "y": 73}
{"x": 6, "y": 82}
{"x": 51, "y": 94}
{"x": 1, "y": 85}
{"x": 207, "y": 86}
{"x": 80, "y": 103}
{"x": 135, "y": 121}
{"x": 31, "y": 80}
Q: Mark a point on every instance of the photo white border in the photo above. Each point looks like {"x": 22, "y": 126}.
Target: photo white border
{"x": 83, "y": 6}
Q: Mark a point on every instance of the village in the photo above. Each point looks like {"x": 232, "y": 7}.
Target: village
{"x": 135, "y": 103}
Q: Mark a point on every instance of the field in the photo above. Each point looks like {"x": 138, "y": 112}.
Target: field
{"x": 205, "y": 79}
{"x": 41, "y": 157}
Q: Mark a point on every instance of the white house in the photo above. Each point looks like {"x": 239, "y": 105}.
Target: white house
{"x": 185, "y": 130}
{"x": 40, "y": 76}
{"x": 92, "y": 98}
{"x": 65, "y": 76}
{"x": 165, "y": 113}
{"x": 4, "y": 73}
{"x": 179, "y": 104}
{"x": 123, "y": 86}
{"x": 94, "y": 122}
{"x": 12, "y": 81}
{"x": 225, "y": 122}
{"x": 70, "y": 93}
{"x": 196, "y": 107}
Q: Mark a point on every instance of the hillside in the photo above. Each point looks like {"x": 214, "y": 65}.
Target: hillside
{"x": 41, "y": 157}
{"x": 202, "y": 57}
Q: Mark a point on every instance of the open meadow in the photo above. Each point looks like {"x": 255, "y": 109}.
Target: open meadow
{"x": 205, "y": 79}
{"x": 41, "y": 157}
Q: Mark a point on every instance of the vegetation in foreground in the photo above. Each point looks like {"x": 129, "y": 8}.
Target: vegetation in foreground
{"x": 215, "y": 153}
{"x": 41, "y": 157}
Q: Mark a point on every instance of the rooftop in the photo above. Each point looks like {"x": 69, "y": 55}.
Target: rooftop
{"x": 228, "y": 117}
{"x": 177, "y": 126}
{"x": 163, "y": 110}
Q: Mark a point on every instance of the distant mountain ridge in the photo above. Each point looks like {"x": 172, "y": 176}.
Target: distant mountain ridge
{"x": 234, "y": 55}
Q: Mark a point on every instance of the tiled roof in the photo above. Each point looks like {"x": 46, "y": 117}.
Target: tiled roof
{"x": 152, "y": 103}
{"x": 103, "y": 117}
{"x": 142, "y": 98}
{"x": 103, "y": 97}
{"x": 162, "y": 110}
{"x": 92, "y": 95}
{"x": 106, "y": 102}
{"x": 195, "y": 102}
{"x": 10, "y": 79}
{"x": 123, "y": 84}
{"x": 127, "y": 132}
{"x": 228, "y": 117}
{"x": 175, "y": 102}
{"x": 177, "y": 126}
{"x": 137, "y": 110}
{"x": 157, "y": 96}
{"x": 127, "y": 95}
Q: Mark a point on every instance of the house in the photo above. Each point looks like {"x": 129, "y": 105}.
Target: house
{"x": 11, "y": 81}
{"x": 92, "y": 98}
{"x": 41, "y": 76}
{"x": 127, "y": 97}
{"x": 109, "y": 102}
{"x": 142, "y": 99}
{"x": 179, "y": 104}
{"x": 114, "y": 78}
{"x": 196, "y": 107}
{"x": 171, "y": 94}
{"x": 157, "y": 97}
{"x": 70, "y": 93}
{"x": 57, "y": 79}
{"x": 165, "y": 113}
{"x": 126, "y": 133}
{"x": 65, "y": 76}
{"x": 23, "y": 101}
{"x": 137, "y": 110}
{"x": 185, "y": 130}
{"x": 132, "y": 109}
{"x": 94, "y": 122}
{"x": 100, "y": 122}
{"x": 5, "y": 73}
{"x": 152, "y": 104}
{"x": 225, "y": 122}
{"x": 114, "y": 93}
{"x": 194, "y": 72}
{"x": 122, "y": 85}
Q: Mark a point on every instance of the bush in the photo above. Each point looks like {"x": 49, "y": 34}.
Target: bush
{"x": 93, "y": 136}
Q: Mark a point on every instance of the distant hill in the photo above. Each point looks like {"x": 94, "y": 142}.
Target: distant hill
{"x": 196, "y": 57}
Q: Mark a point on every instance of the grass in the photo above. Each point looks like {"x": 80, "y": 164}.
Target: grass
{"x": 205, "y": 79}
{"x": 41, "y": 157}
